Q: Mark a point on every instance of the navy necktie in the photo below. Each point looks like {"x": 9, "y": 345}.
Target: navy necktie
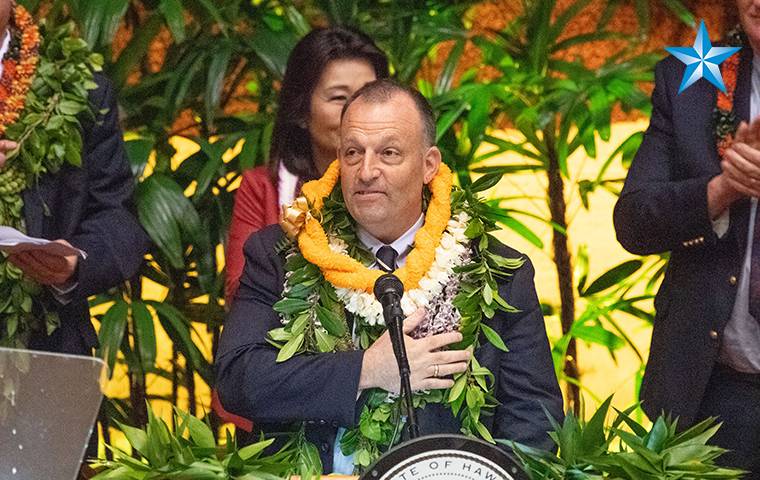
{"x": 386, "y": 258}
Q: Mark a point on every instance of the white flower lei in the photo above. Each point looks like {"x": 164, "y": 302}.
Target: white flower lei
{"x": 448, "y": 255}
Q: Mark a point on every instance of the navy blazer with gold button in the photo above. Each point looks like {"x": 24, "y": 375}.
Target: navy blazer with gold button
{"x": 663, "y": 208}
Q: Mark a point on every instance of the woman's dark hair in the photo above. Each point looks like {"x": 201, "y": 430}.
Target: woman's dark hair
{"x": 291, "y": 140}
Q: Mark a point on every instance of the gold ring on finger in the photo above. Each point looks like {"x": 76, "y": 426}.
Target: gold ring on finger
{"x": 435, "y": 373}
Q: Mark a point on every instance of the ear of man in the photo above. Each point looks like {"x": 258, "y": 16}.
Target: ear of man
{"x": 432, "y": 159}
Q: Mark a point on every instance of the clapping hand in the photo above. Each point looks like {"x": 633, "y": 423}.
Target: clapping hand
{"x": 740, "y": 170}
{"x": 742, "y": 161}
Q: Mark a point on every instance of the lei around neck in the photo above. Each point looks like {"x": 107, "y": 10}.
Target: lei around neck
{"x": 343, "y": 271}
{"x": 19, "y": 64}
{"x": 326, "y": 276}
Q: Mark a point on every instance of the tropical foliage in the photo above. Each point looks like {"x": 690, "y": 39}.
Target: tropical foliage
{"x": 592, "y": 450}
{"x": 189, "y": 450}
{"x": 587, "y": 450}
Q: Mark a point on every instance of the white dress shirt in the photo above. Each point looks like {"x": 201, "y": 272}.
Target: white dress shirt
{"x": 740, "y": 348}
{"x": 343, "y": 464}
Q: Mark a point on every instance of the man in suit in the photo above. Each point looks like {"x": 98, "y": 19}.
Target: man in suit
{"x": 386, "y": 157}
{"x": 682, "y": 197}
{"x": 89, "y": 207}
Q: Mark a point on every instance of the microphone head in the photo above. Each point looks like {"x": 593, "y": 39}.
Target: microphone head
{"x": 388, "y": 284}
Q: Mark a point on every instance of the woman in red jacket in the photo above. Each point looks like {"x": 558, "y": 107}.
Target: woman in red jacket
{"x": 324, "y": 69}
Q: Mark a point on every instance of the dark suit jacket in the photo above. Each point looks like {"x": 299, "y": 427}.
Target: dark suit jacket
{"x": 91, "y": 207}
{"x": 321, "y": 389}
{"x": 663, "y": 208}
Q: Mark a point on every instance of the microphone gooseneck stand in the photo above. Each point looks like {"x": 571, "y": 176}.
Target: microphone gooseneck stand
{"x": 389, "y": 290}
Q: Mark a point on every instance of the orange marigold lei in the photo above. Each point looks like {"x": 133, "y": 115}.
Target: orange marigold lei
{"x": 19, "y": 64}
{"x": 343, "y": 271}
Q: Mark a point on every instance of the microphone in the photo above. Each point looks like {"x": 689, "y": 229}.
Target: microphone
{"x": 388, "y": 291}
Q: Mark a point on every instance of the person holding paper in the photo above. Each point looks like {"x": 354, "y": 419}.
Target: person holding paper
{"x": 74, "y": 188}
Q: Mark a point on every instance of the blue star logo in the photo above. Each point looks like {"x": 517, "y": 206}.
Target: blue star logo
{"x": 702, "y": 60}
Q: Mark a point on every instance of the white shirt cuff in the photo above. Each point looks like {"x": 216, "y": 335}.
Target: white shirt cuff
{"x": 720, "y": 224}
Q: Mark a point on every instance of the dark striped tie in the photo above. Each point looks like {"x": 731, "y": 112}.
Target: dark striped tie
{"x": 386, "y": 258}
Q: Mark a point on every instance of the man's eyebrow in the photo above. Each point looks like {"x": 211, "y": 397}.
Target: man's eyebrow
{"x": 347, "y": 139}
{"x": 390, "y": 138}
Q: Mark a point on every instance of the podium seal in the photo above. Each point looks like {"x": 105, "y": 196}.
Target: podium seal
{"x": 444, "y": 457}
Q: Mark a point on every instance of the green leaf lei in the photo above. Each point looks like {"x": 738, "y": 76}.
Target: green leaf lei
{"x": 48, "y": 133}
{"x": 315, "y": 321}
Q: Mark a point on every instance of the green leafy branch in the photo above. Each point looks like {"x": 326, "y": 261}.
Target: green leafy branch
{"x": 590, "y": 450}
{"x": 311, "y": 327}
{"x": 473, "y": 388}
{"x": 190, "y": 451}
{"x": 48, "y": 131}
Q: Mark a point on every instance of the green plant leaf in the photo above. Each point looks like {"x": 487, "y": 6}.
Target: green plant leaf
{"x": 168, "y": 216}
{"x": 179, "y": 331}
{"x": 521, "y": 229}
{"x": 593, "y": 439}
{"x": 581, "y": 267}
{"x": 99, "y": 20}
{"x": 145, "y": 335}
{"x": 485, "y": 182}
{"x": 254, "y": 449}
{"x": 217, "y": 68}
{"x": 331, "y": 322}
{"x": 324, "y": 341}
{"x": 290, "y": 306}
{"x": 612, "y": 277}
{"x": 175, "y": 18}
{"x": 199, "y": 431}
{"x": 137, "y": 438}
{"x": 597, "y": 334}
{"x": 290, "y": 348}
{"x": 657, "y": 436}
{"x": 112, "y": 327}
{"x": 493, "y": 337}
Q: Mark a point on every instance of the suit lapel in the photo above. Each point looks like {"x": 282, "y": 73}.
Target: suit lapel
{"x": 743, "y": 86}
{"x": 742, "y": 101}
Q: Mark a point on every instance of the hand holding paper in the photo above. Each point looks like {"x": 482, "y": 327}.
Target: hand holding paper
{"x": 46, "y": 262}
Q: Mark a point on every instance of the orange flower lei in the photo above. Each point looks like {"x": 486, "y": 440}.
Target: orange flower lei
{"x": 343, "y": 271}
{"x": 19, "y": 66}
{"x": 726, "y": 100}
